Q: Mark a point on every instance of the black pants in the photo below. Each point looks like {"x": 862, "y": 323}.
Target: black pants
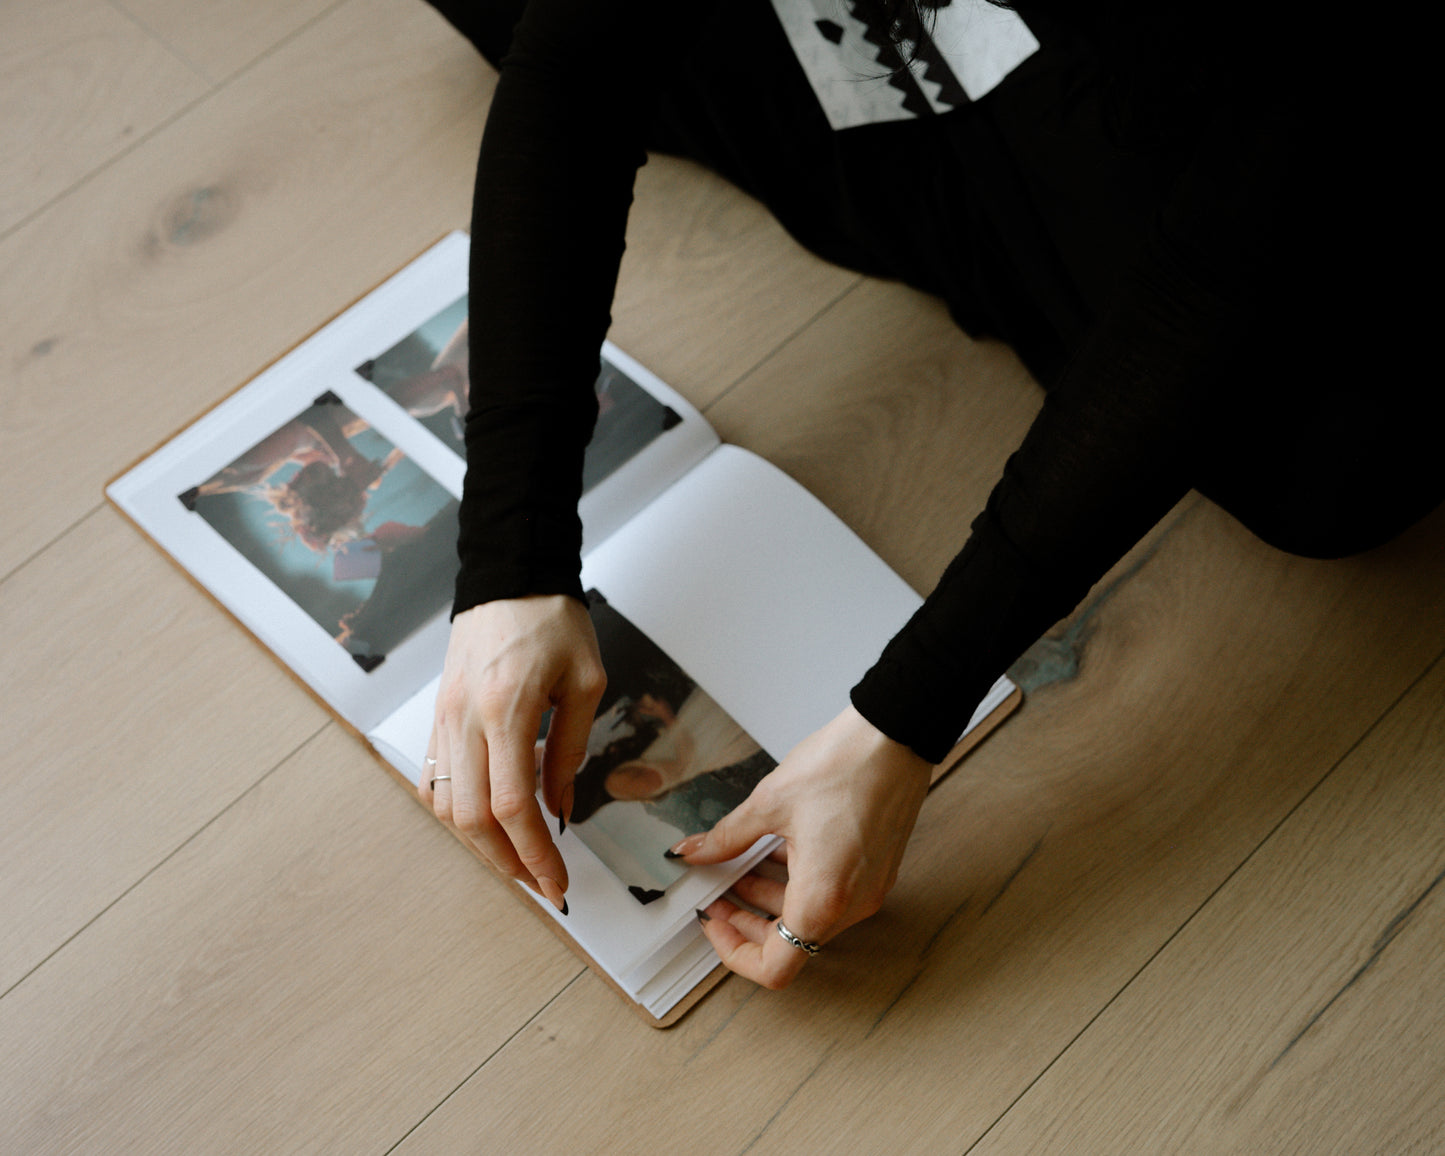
{"x": 1019, "y": 211}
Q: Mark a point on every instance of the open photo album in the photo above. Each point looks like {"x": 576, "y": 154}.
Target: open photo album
{"x": 318, "y": 504}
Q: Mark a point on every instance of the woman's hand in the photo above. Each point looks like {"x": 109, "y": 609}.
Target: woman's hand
{"x": 845, "y": 800}
{"x": 507, "y": 663}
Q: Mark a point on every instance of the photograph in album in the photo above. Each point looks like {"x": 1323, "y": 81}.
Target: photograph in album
{"x": 343, "y": 523}
{"x": 664, "y": 760}
{"x": 628, "y": 420}
{"x": 428, "y": 374}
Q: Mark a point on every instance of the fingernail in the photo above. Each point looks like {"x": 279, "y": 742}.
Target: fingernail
{"x": 561, "y": 823}
{"x": 703, "y": 916}
{"x": 685, "y": 847}
{"x": 565, "y": 809}
{"x": 552, "y": 892}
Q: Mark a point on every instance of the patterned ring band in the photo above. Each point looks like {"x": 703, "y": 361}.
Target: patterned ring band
{"x": 793, "y": 941}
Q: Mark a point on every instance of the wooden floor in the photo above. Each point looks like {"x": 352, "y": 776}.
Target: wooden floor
{"x": 1187, "y": 900}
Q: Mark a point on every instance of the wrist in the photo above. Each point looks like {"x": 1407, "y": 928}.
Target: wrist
{"x": 878, "y": 727}
{"x": 508, "y": 606}
{"x": 868, "y": 740}
{"x": 478, "y": 586}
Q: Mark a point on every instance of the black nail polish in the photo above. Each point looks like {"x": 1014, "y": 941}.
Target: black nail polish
{"x": 561, "y": 824}
{"x": 703, "y": 916}
{"x": 564, "y": 907}
{"x": 671, "y": 854}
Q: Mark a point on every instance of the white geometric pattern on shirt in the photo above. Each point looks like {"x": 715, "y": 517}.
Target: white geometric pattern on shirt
{"x": 854, "y": 71}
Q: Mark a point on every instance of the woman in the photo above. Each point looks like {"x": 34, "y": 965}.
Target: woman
{"x": 1164, "y": 212}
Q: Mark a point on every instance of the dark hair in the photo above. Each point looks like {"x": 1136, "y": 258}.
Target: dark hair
{"x": 319, "y": 502}
{"x": 902, "y": 21}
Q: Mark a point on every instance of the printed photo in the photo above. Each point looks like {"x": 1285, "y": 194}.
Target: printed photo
{"x": 663, "y": 761}
{"x": 428, "y": 375}
{"x": 346, "y": 525}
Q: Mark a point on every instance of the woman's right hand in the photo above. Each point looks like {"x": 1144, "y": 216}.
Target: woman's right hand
{"x": 507, "y": 663}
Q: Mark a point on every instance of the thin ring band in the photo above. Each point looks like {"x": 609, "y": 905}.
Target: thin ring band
{"x": 429, "y": 761}
{"x": 440, "y": 779}
{"x": 793, "y": 941}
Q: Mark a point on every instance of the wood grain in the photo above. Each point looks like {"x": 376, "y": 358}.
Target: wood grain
{"x": 1045, "y": 872}
{"x": 1300, "y": 1011}
{"x": 698, "y": 249}
{"x": 890, "y": 415}
{"x": 1131, "y": 790}
{"x": 192, "y": 262}
{"x": 181, "y": 271}
{"x": 135, "y": 713}
{"x": 312, "y": 972}
{"x": 219, "y": 37}
{"x": 79, "y": 84}
{"x": 1176, "y": 903}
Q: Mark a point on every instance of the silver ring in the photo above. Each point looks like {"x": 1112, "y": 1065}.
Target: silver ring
{"x": 440, "y": 779}
{"x": 793, "y": 941}
{"x": 431, "y": 762}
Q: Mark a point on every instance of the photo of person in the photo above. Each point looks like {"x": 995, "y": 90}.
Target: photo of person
{"x": 664, "y": 760}
{"x": 427, "y": 374}
{"x": 347, "y": 526}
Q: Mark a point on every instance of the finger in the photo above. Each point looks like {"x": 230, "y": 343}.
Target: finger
{"x": 464, "y": 753}
{"x": 771, "y": 868}
{"x": 439, "y": 776}
{"x": 428, "y": 768}
{"x": 566, "y": 747}
{"x": 754, "y": 927}
{"x": 779, "y": 960}
{"x": 766, "y": 957}
{"x": 734, "y": 833}
{"x": 466, "y": 762}
{"x": 513, "y": 804}
{"x": 760, "y": 892}
{"x": 771, "y": 962}
{"x": 469, "y": 794}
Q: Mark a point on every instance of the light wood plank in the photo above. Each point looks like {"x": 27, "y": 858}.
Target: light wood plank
{"x": 698, "y": 250}
{"x": 194, "y": 261}
{"x": 79, "y": 84}
{"x": 1214, "y": 687}
{"x": 1200, "y": 694}
{"x": 1300, "y": 1011}
{"x": 312, "y": 973}
{"x": 894, "y": 418}
{"x": 134, "y": 711}
{"x": 220, "y": 37}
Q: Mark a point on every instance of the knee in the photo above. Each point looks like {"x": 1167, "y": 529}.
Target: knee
{"x": 1343, "y": 516}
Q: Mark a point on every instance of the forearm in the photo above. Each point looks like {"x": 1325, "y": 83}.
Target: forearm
{"x": 1117, "y": 443}
{"x": 554, "y": 185}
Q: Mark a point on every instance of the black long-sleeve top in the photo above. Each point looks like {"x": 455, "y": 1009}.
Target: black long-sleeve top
{"x": 1118, "y": 440}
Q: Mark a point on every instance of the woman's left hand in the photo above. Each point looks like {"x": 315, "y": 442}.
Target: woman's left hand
{"x": 845, "y": 799}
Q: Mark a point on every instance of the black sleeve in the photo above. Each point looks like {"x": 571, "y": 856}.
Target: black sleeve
{"x": 562, "y": 146}
{"x": 1115, "y": 445}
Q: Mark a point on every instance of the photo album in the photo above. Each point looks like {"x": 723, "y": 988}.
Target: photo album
{"x": 318, "y": 504}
